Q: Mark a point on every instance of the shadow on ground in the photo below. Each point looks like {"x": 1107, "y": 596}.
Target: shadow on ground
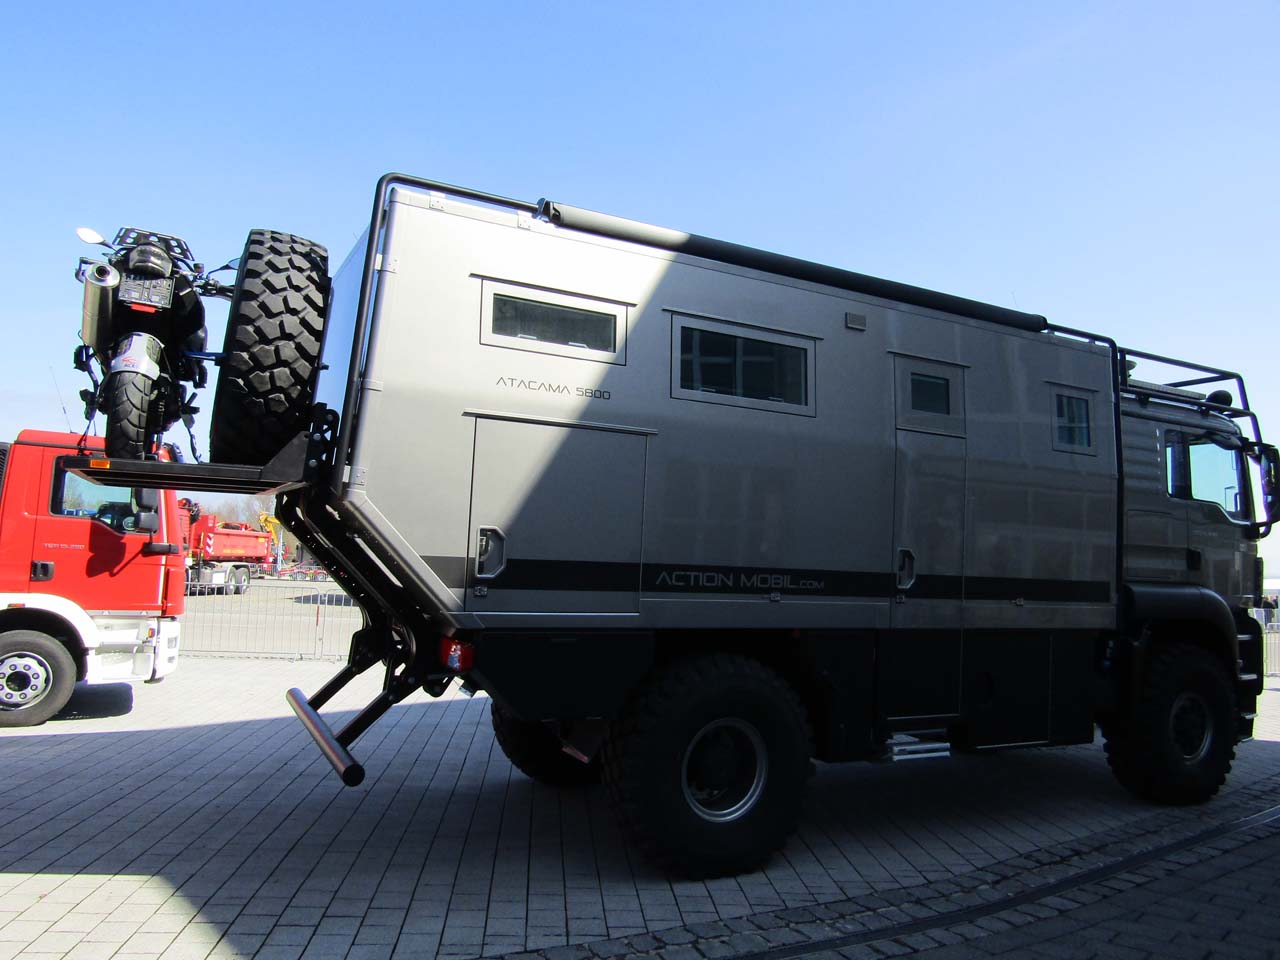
{"x": 97, "y": 702}
{"x": 445, "y": 849}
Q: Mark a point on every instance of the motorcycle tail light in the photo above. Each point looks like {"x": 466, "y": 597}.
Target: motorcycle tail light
{"x": 149, "y": 260}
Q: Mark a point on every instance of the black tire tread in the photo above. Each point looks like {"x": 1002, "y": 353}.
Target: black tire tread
{"x": 127, "y": 401}
{"x": 662, "y": 693}
{"x": 60, "y": 662}
{"x": 535, "y": 751}
{"x": 1131, "y": 745}
{"x": 272, "y": 347}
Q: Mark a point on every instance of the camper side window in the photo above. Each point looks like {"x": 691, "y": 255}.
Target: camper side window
{"x": 1073, "y": 422}
{"x": 548, "y": 321}
{"x": 719, "y": 362}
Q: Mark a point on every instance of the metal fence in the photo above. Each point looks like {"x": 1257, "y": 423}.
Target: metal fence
{"x": 1270, "y": 620}
{"x": 305, "y": 619}
{"x": 295, "y": 619}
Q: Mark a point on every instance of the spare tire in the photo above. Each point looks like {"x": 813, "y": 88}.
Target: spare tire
{"x": 275, "y": 329}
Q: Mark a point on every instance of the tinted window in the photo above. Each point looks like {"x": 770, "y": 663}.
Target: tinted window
{"x": 1071, "y": 422}
{"x": 551, "y": 323}
{"x": 930, "y": 394}
{"x": 734, "y": 366}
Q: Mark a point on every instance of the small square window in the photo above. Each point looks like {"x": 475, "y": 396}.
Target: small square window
{"x": 930, "y": 394}
{"x": 1072, "y": 422}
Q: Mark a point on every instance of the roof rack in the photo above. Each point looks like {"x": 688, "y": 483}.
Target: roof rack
{"x": 1177, "y": 390}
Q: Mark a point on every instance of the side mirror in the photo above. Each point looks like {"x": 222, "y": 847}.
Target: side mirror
{"x": 148, "y": 522}
{"x": 147, "y": 499}
{"x": 1269, "y": 465}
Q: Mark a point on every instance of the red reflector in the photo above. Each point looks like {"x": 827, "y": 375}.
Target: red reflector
{"x": 142, "y": 308}
{"x": 456, "y": 655}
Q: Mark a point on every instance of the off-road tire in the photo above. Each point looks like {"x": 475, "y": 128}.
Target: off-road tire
{"x": 1143, "y": 749}
{"x": 275, "y": 330}
{"x": 126, "y": 399}
{"x": 535, "y": 751}
{"x": 240, "y": 578}
{"x": 647, "y": 758}
{"x": 23, "y": 646}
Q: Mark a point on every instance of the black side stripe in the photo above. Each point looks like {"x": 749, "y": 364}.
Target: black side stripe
{"x": 697, "y": 579}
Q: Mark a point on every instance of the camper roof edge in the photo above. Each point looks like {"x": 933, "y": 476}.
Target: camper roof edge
{"x": 620, "y": 228}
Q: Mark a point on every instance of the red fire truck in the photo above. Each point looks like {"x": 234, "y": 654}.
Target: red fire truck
{"x": 91, "y": 578}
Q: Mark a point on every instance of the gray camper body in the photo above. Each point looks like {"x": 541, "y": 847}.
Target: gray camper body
{"x": 692, "y": 513}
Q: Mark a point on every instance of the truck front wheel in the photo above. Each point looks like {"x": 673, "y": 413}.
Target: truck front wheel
{"x": 37, "y": 676}
{"x": 535, "y": 751}
{"x": 1178, "y": 741}
{"x": 708, "y": 764}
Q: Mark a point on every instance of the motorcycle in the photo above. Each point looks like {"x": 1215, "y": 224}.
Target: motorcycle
{"x": 143, "y": 327}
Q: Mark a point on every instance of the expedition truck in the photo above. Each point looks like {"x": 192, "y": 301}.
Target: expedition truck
{"x": 221, "y": 555}
{"x": 90, "y": 586}
{"x": 693, "y": 514}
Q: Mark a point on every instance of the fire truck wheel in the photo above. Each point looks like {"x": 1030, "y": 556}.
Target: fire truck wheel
{"x": 1178, "y": 742}
{"x": 707, "y": 766}
{"x": 535, "y": 751}
{"x": 126, "y": 399}
{"x": 37, "y": 676}
{"x": 271, "y": 352}
{"x": 240, "y": 580}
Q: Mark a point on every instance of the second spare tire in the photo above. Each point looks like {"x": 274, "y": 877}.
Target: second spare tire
{"x": 275, "y": 329}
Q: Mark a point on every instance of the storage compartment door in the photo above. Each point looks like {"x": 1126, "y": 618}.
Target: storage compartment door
{"x": 556, "y": 516}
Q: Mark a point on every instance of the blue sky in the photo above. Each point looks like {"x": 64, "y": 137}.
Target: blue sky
{"x": 1110, "y": 166}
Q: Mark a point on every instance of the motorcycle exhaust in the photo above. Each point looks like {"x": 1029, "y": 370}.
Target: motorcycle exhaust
{"x": 100, "y": 282}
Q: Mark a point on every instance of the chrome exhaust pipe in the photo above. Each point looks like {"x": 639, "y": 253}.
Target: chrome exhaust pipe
{"x": 100, "y": 282}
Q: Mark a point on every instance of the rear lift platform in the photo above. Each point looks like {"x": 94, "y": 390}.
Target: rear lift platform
{"x": 398, "y": 631}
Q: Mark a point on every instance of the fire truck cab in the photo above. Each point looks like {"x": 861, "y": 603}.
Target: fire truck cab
{"x": 91, "y": 578}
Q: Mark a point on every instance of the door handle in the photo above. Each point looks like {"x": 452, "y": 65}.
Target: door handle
{"x": 491, "y": 553}
{"x": 906, "y": 568}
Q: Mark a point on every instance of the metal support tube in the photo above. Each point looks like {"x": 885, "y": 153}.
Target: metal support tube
{"x": 351, "y": 772}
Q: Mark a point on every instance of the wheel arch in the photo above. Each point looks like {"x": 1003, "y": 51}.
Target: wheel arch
{"x": 52, "y": 624}
{"x": 1165, "y": 613}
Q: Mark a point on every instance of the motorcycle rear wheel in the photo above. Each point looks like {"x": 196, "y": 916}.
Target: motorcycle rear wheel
{"x": 126, "y": 399}
{"x": 271, "y": 353}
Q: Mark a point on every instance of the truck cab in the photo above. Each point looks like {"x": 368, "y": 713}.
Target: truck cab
{"x": 91, "y": 580}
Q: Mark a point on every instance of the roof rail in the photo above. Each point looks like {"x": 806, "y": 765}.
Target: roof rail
{"x": 1177, "y": 389}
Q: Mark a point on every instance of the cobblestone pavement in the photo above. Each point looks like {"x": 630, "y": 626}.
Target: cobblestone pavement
{"x": 195, "y": 820}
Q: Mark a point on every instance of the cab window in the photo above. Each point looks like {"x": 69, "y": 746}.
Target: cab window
{"x": 76, "y": 497}
{"x": 1199, "y": 469}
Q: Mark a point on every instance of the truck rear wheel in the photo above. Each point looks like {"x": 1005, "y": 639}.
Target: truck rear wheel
{"x": 275, "y": 329}
{"x": 37, "y": 677}
{"x": 708, "y": 764}
{"x": 240, "y": 581}
{"x": 1177, "y": 743}
{"x": 126, "y": 400}
{"x": 535, "y": 751}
